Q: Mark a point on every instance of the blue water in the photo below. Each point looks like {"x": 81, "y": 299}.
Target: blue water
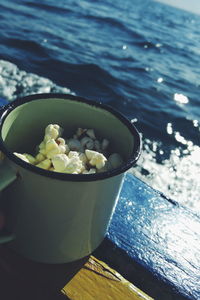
{"x": 141, "y": 57}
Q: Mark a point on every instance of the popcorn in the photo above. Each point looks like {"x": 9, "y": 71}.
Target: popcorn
{"x": 97, "y": 145}
{"x": 52, "y": 131}
{"x": 51, "y": 148}
{"x": 87, "y": 143}
{"x": 30, "y": 158}
{"x": 83, "y": 158}
{"x": 104, "y": 144}
{"x": 74, "y": 166}
{"x": 60, "y": 162}
{"x": 91, "y": 134}
{"x": 96, "y": 159}
{"x": 72, "y": 154}
{"x": 45, "y": 164}
{"x": 81, "y": 154}
{"x": 80, "y": 132}
{"x": 62, "y": 145}
{"x": 91, "y": 171}
{"x": 21, "y": 156}
{"x": 39, "y": 157}
{"x": 115, "y": 160}
{"x": 74, "y": 144}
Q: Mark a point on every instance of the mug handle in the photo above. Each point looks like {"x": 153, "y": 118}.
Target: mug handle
{"x": 7, "y": 176}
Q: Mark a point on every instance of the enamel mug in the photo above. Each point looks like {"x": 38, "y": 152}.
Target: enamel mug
{"x": 57, "y": 217}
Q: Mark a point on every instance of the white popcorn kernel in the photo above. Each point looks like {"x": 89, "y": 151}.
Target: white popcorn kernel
{"x": 83, "y": 158}
{"x": 105, "y": 168}
{"x": 87, "y": 143}
{"x": 62, "y": 149}
{"x": 74, "y": 165}
{"x": 80, "y": 131}
{"x": 53, "y": 131}
{"x": 21, "y": 156}
{"x": 45, "y": 164}
{"x": 60, "y": 162}
{"x": 90, "y": 153}
{"x": 51, "y": 145}
{"x": 52, "y": 148}
{"x": 90, "y": 171}
{"x": 74, "y": 144}
{"x": 30, "y": 158}
{"x": 97, "y": 146}
{"x": 95, "y": 158}
{"x": 115, "y": 160}
{"x": 73, "y": 154}
{"x": 91, "y": 134}
{"x": 60, "y": 141}
{"x": 104, "y": 144}
{"x": 42, "y": 145}
{"x": 39, "y": 157}
{"x": 62, "y": 145}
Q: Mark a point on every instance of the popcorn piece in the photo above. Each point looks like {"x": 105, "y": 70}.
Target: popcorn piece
{"x": 106, "y": 167}
{"x": 104, "y": 144}
{"x": 74, "y": 165}
{"x": 75, "y": 145}
{"x": 72, "y": 154}
{"x": 115, "y": 160}
{"x": 39, "y": 157}
{"x": 87, "y": 143}
{"x": 60, "y": 162}
{"x": 62, "y": 145}
{"x": 90, "y": 133}
{"x": 95, "y": 158}
{"x": 45, "y": 164}
{"x": 52, "y": 148}
{"x": 90, "y": 171}
{"x": 52, "y": 131}
{"x": 21, "y": 156}
{"x": 30, "y": 158}
{"x": 83, "y": 158}
{"x": 80, "y": 131}
{"x": 97, "y": 146}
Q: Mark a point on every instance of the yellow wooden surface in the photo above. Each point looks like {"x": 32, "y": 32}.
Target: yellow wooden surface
{"x": 86, "y": 279}
{"x": 97, "y": 281}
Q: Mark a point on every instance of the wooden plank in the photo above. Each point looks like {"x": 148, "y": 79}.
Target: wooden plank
{"x": 155, "y": 243}
{"x": 96, "y": 280}
{"x": 86, "y": 279}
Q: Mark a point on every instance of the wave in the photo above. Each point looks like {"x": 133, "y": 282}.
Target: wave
{"x": 47, "y": 7}
{"x": 16, "y": 83}
{"x": 31, "y": 46}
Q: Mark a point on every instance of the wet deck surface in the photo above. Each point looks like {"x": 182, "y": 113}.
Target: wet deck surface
{"x": 158, "y": 242}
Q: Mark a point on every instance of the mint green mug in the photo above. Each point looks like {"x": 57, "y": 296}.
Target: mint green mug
{"x": 56, "y": 217}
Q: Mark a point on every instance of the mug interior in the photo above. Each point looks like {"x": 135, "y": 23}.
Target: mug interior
{"x": 24, "y": 126}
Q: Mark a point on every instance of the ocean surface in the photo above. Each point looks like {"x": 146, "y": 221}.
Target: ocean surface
{"x": 139, "y": 56}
